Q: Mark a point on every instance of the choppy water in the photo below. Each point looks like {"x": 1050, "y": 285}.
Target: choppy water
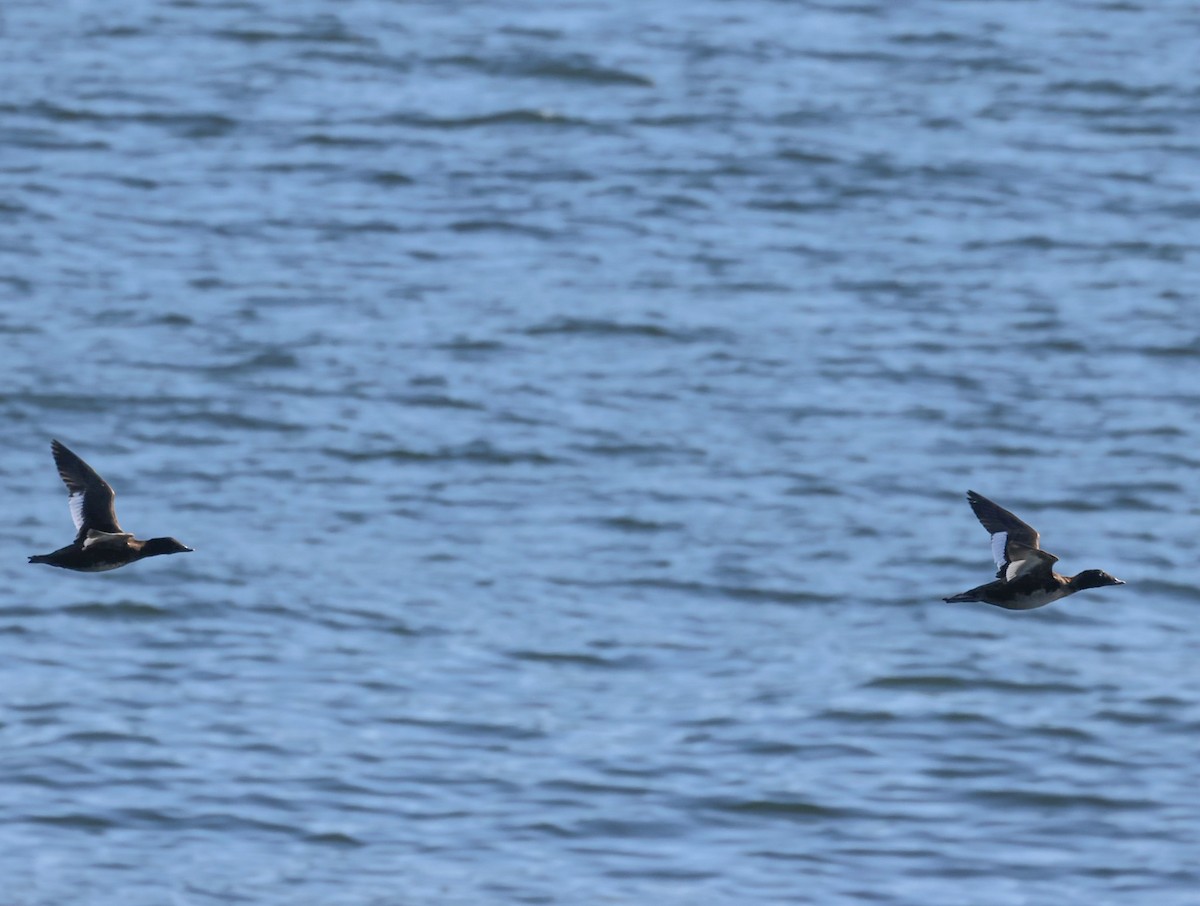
{"x": 571, "y": 410}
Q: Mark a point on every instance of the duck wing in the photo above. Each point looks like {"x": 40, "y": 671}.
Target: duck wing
{"x": 1016, "y": 545}
{"x": 91, "y": 499}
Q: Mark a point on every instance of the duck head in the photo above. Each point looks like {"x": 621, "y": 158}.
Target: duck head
{"x": 156, "y": 546}
{"x": 1094, "y": 578}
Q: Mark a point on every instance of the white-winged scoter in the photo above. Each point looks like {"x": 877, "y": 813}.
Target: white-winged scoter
{"x": 100, "y": 544}
{"x": 1025, "y": 578}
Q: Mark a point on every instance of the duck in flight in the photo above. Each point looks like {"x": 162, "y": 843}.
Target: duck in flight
{"x": 1025, "y": 577}
{"x": 100, "y": 544}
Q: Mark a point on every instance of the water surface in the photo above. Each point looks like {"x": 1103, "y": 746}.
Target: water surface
{"x": 571, "y": 410}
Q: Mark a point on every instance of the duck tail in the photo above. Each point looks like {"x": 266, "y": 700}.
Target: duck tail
{"x": 964, "y": 596}
{"x": 38, "y": 558}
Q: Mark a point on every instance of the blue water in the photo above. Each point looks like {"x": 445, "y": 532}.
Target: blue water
{"x": 571, "y": 408}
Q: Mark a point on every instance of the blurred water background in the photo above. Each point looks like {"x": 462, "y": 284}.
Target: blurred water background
{"x": 571, "y": 406}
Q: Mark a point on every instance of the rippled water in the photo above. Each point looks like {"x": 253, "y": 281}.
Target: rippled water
{"x": 571, "y": 410}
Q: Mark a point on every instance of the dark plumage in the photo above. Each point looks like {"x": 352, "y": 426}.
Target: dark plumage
{"x": 99, "y": 543}
{"x": 1025, "y": 578}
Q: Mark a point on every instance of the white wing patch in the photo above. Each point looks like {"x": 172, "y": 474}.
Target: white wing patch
{"x": 1025, "y": 560}
{"x": 95, "y": 537}
{"x": 75, "y": 501}
{"x": 1016, "y": 568}
{"x": 999, "y": 542}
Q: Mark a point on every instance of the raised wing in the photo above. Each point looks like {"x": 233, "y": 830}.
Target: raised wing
{"x": 1015, "y": 544}
{"x": 91, "y": 499}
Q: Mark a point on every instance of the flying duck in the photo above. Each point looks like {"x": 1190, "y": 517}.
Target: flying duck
{"x": 1025, "y": 578}
{"x": 100, "y": 543}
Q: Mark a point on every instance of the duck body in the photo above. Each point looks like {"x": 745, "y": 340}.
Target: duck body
{"x": 1025, "y": 578}
{"x": 1030, "y": 592}
{"x": 106, "y": 552}
{"x": 100, "y": 544}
